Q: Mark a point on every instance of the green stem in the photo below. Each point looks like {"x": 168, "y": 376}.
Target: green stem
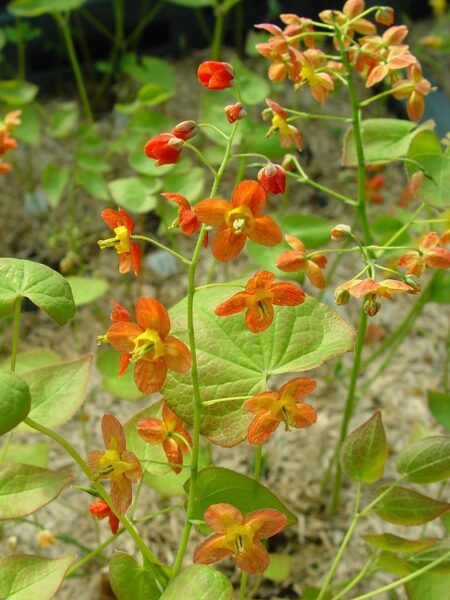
{"x": 150, "y": 240}
{"x": 219, "y": 23}
{"x": 84, "y": 12}
{"x": 62, "y": 22}
{"x": 405, "y": 226}
{"x": 94, "y": 553}
{"x": 197, "y": 403}
{"x": 258, "y": 462}
{"x": 384, "y": 94}
{"x": 305, "y": 115}
{"x": 214, "y": 128}
{"x": 351, "y": 584}
{"x": 16, "y": 331}
{"x": 243, "y": 586}
{"x": 349, "y": 407}
{"x": 201, "y": 157}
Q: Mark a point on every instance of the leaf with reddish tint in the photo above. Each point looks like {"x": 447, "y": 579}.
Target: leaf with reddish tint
{"x": 395, "y": 543}
{"x": 364, "y": 452}
{"x": 403, "y": 506}
{"x": 232, "y": 361}
{"x": 200, "y": 582}
{"x": 426, "y": 461}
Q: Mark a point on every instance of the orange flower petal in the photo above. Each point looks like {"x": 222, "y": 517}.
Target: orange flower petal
{"x": 266, "y": 522}
{"x": 93, "y": 460}
{"x": 227, "y": 244}
{"x": 297, "y": 388}
{"x": 254, "y": 560}
{"x": 119, "y": 313}
{"x": 366, "y": 286}
{"x": 261, "y": 401}
{"x": 233, "y": 305}
{"x": 303, "y": 415}
{"x": 249, "y": 193}
{"x": 315, "y": 274}
{"x": 124, "y": 361}
{"x": 173, "y": 453}
{"x": 136, "y": 473}
{"x": 125, "y": 262}
{"x": 265, "y": 231}
{"x": 212, "y": 211}
{"x": 211, "y": 550}
{"x": 291, "y": 261}
{"x": 294, "y": 242}
{"x": 287, "y": 294}
{"x": 439, "y": 258}
{"x": 151, "y": 314}
{"x": 152, "y": 430}
{"x": 262, "y": 427}
{"x": 150, "y": 376}
{"x": 121, "y": 335}
{"x": 136, "y": 257}
{"x": 177, "y": 355}
{"x": 430, "y": 240}
{"x": 113, "y": 434}
{"x": 219, "y": 517}
{"x": 261, "y": 280}
{"x": 259, "y": 317}
{"x": 121, "y": 495}
{"x": 111, "y": 218}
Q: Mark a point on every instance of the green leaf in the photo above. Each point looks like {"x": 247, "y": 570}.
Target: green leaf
{"x": 212, "y": 112}
{"x": 152, "y": 94}
{"x": 392, "y": 563}
{"x": 149, "y": 70}
{"x": 384, "y": 140}
{"x": 89, "y": 161}
{"x": 385, "y": 226}
{"x": 439, "y": 405}
{"x": 15, "y": 401}
{"x": 254, "y": 88}
{"x": 40, "y": 284}
{"x": 93, "y": 183}
{"x": 133, "y": 194}
{"x": 32, "y": 359}
{"x": 17, "y": 92}
{"x": 429, "y": 586}
{"x": 130, "y": 580}
{"x": 365, "y": 451}
{"x": 403, "y": 506}
{"x": 440, "y": 291}
{"x": 254, "y": 140}
{"x": 190, "y": 184}
{"x": 395, "y": 543}
{"x": 54, "y": 180}
{"x": 63, "y": 119}
{"x": 122, "y": 387}
{"x": 29, "y": 130}
{"x": 58, "y": 391}
{"x": 279, "y": 568}
{"x": 25, "y": 488}
{"x": 429, "y": 555}
{"x": 312, "y": 593}
{"x": 36, "y": 8}
{"x": 29, "y": 454}
{"x": 200, "y": 582}
{"x": 26, "y": 576}
{"x": 312, "y": 230}
{"x": 216, "y": 485}
{"x": 426, "y": 461}
{"x": 427, "y": 150}
{"x": 234, "y": 362}
{"x": 87, "y": 289}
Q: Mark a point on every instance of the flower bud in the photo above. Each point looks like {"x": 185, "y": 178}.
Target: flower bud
{"x": 288, "y": 163}
{"x": 413, "y": 282}
{"x": 234, "y": 112}
{"x": 341, "y": 297}
{"x": 185, "y": 130}
{"x": 371, "y": 306}
{"x": 215, "y": 75}
{"x": 385, "y": 15}
{"x": 341, "y": 232}
{"x": 272, "y": 178}
{"x": 45, "y": 539}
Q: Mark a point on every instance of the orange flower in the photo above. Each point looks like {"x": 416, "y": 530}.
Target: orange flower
{"x": 117, "y": 464}
{"x": 313, "y": 62}
{"x": 169, "y": 432}
{"x": 235, "y": 112}
{"x": 272, "y": 408}
{"x": 373, "y": 186}
{"x": 397, "y": 57}
{"x": 415, "y": 88}
{"x": 239, "y": 219}
{"x": 288, "y": 133}
{"x": 429, "y": 253}
{"x": 147, "y": 343}
{"x": 100, "y": 510}
{"x": 215, "y": 75}
{"x": 297, "y": 259}
{"x": 272, "y": 178}
{"x": 187, "y": 219}
{"x": 258, "y": 300}
{"x": 7, "y": 143}
{"x": 165, "y": 148}
{"x": 128, "y": 251}
{"x": 383, "y": 289}
{"x": 350, "y": 10}
{"x": 239, "y": 536}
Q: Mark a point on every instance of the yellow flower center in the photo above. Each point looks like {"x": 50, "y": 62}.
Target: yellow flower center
{"x": 123, "y": 239}
{"x": 240, "y": 219}
{"x": 239, "y": 538}
{"x": 148, "y": 345}
{"x": 111, "y": 466}
{"x": 280, "y": 124}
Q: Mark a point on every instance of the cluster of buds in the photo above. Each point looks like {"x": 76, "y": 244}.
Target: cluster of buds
{"x": 165, "y": 148}
{"x": 7, "y": 142}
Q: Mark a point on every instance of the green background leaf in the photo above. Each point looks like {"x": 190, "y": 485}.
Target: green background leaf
{"x": 29, "y": 454}
{"x": 439, "y": 404}
{"x": 54, "y": 180}
{"x": 429, "y": 586}
{"x": 426, "y": 461}
{"x": 32, "y": 359}
{"x": 131, "y": 581}
{"x": 36, "y": 8}
{"x": 124, "y": 387}
{"x": 87, "y": 289}
{"x": 403, "y": 506}
{"x": 200, "y": 582}
{"x": 395, "y": 543}
{"x": 133, "y": 194}
{"x": 17, "y": 93}
{"x": 15, "y": 400}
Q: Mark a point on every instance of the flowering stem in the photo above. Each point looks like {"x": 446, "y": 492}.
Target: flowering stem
{"x": 216, "y": 129}
{"x": 384, "y": 94}
{"x": 201, "y": 157}
{"x": 150, "y": 240}
{"x": 305, "y": 115}
{"x": 197, "y": 402}
{"x": 351, "y": 584}
{"x": 243, "y": 586}
{"x": 219, "y": 22}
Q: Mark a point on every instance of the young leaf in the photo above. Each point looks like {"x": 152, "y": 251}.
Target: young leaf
{"x": 130, "y": 580}
{"x": 58, "y": 391}
{"x": 403, "y": 506}
{"x": 24, "y": 489}
{"x": 430, "y": 555}
{"x": 395, "y": 543}
{"x": 234, "y": 362}
{"x": 439, "y": 404}
{"x": 200, "y": 582}
{"x": 364, "y": 452}
{"x": 15, "y": 401}
{"x": 25, "y": 576}
{"x": 426, "y": 461}
{"x": 40, "y": 284}
{"x": 216, "y": 484}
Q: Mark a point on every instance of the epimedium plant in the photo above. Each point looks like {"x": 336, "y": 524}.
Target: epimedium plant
{"x": 216, "y": 369}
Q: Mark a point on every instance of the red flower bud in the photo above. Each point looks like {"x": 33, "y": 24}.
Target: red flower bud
{"x": 234, "y": 112}
{"x": 341, "y": 232}
{"x": 272, "y": 178}
{"x": 385, "y": 15}
{"x": 165, "y": 148}
{"x": 215, "y": 75}
{"x": 185, "y": 130}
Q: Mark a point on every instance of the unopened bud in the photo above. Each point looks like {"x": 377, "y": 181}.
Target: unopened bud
{"x": 288, "y": 163}
{"x": 12, "y": 543}
{"x": 341, "y": 297}
{"x": 185, "y": 130}
{"x": 234, "y": 112}
{"x": 371, "y": 307}
{"x": 385, "y": 15}
{"x": 45, "y": 539}
{"x": 341, "y": 232}
{"x": 413, "y": 282}
{"x": 272, "y": 178}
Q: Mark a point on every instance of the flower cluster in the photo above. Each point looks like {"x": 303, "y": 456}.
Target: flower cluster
{"x": 7, "y": 142}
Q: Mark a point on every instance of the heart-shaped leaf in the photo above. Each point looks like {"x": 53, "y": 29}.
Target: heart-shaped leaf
{"x": 32, "y": 359}
{"x": 43, "y": 286}
{"x": 429, "y": 586}
{"x": 403, "y": 506}
{"x": 133, "y": 194}
{"x": 200, "y": 582}
{"x": 236, "y": 363}
{"x": 24, "y": 489}
{"x": 130, "y": 580}
{"x": 15, "y": 400}
{"x": 426, "y": 461}
{"x": 26, "y": 576}
{"x": 29, "y": 454}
